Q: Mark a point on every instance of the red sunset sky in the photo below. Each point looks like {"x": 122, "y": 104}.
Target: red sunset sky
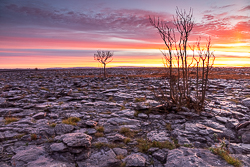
{"x": 60, "y": 33}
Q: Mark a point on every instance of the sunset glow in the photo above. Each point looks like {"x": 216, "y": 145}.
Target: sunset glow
{"x": 47, "y": 34}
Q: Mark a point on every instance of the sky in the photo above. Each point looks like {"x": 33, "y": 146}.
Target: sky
{"x": 62, "y": 33}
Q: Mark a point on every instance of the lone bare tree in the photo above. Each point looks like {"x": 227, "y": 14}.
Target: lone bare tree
{"x": 175, "y": 38}
{"x": 104, "y": 57}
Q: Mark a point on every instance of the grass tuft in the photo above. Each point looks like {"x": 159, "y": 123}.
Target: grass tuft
{"x": 223, "y": 152}
{"x": 127, "y": 132}
{"x": 43, "y": 88}
{"x": 33, "y": 136}
{"x": 141, "y": 99}
{"x": 115, "y": 145}
{"x": 166, "y": 144}
{"x": 99, "y": 145}
{"x": 71, "y": 121}
{"x": 120, "y": 157}
{"x": 122, "y": 108}
{"x": 19, "y": 136}
{"x": 144, "y": 145}
{"x": 53, "y": 125}
{"x": 99, "y": 134}
{"x": 188, "y": 145}
{"x": 127, "y": 140}
{"x": 168, "y": 127}
{"x": 123, "y": 164}
{"x": 136, "y": 113}
{"x": 8, "y": 120}
{"x": 100, "y": 128}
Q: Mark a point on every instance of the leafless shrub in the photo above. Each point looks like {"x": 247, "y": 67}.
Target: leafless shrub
{"x": 104, "y": 57}
{"x": 176, "y": 40}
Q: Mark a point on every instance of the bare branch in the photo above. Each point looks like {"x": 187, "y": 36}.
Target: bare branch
{"x": 104, "y": 57}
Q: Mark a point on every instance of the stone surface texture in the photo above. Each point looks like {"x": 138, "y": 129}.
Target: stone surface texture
{"x": 112, "y": 114}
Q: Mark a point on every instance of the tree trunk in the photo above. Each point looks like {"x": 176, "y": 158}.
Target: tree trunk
{"x": 197, "y": 81}
{"x": 104, "y": 68}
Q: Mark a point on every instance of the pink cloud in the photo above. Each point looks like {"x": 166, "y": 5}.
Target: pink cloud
{"x": 245, "y": 8}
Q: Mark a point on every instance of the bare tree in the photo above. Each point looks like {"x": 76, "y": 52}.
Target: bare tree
{"x": 176, "y": 40}
{"x": 207, "y": 57}
{"x": 104, "y": 57}
{"x": 168, "y": 36}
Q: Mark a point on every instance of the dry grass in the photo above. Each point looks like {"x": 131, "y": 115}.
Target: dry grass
{"x": 19, "y": 136}
{"x": 168, "y": 127}
{"x": 99, "y": 145}
{"x": 8, "y": 120}
{"x": 123, "y": 164}
{"x": 120, "y": 157}
{"x": 223, "y": 152}
{"x": 52, "y": 125}
{"x": 33, "y": 136}
{"x": 111, "y": 99}
{"x": 71, "y": 121}
{"x": 106, "y": 112}
{"x": 144, "y": 145}
{"x": 127, "y": 140}
{"x": 100, "y": 128}
{"x": 122, "y": 108}
{"x": 127, "y": 132}
{"x": 43, "y": 88}
{"x": 99, "y": 134}
{"x": 142, "y": 99}
{"x": 136, "y": 113}
{"x": 225, "y": 155}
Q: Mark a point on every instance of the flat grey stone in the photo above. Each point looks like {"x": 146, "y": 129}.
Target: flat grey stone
{"x": 126, "y": 113}
{"x": 63, "y": 128}
{"x": 76, "y": 139}
{"x": 116, "y": 137}
{"x": 158, "y": 136}
{"x": 48, "y": 162}
{"x": 25, "y": 156}
{"x": 59, "y": 147}
{"x": 39, "y": 115}
{"x": 91, "y": 123}
{"x": 120, "y": 151}
{"x": 189, "y": 157}
{"x": 160, "y": 155}
{"x": 246, "y": 102}
{"x": 2, "y": 164}
{"x": 91, "y": 131}
{"x": 134, "y": 160}
{"x": 142, "y": 115}
{"x": 117, "y": 121}
{"x": 101, "y": 159}
{"x": 246, "y": 137}
{"x": 182, "y": 140}
{"x": 239, "y": 148}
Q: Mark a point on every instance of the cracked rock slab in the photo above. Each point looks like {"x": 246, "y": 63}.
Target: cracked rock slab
{"x": 25, "y": 156}
{"x": 189, "y": 157}
{"x": 101, "y": 159}
{"x": 76, "y": 139}
{"x": 158, "y": 136}
{"x": 134, "y": 160}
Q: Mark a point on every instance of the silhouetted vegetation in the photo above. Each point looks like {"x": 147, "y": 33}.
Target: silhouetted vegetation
{"x": 175, "y": 36}
{"x": 104, "y": 57}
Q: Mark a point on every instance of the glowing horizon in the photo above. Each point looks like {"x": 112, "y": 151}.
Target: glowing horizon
{"x": 63, "y": 34}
